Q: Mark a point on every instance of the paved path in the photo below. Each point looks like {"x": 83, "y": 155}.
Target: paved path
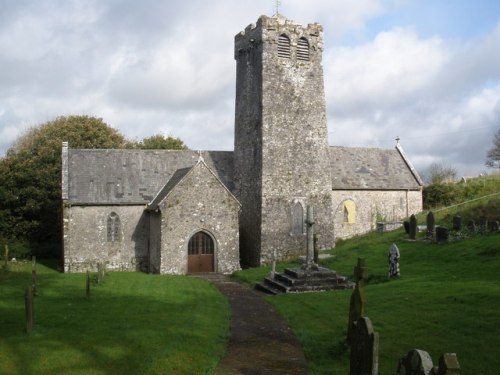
{"x": 261, "y": 342}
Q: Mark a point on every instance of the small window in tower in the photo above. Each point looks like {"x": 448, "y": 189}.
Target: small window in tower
{"x": 284, "y": 46}
{"x": 303, "y": 50}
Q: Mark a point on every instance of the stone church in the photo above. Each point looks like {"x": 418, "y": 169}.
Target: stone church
{"x": 178, "y": 212}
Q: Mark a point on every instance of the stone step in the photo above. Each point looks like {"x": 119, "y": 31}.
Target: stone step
{"x": 291, "y": 281}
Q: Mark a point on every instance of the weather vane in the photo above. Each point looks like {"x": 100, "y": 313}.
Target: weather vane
{"x": 278, "y": 3}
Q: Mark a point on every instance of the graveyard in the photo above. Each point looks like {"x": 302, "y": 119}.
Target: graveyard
{"x": 445, "y": 300}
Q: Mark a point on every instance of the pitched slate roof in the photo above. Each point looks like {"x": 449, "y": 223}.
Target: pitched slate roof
{"x": 134, "y": 176}
{"x": 356, "y": 168}
{"x": 138, "y": 176}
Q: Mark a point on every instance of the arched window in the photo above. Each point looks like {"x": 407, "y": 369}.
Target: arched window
{"x": 349, "y": 212}
{"x": 113, "y": 228}
{"x": 297, "y": 219}
{"x": 200, "y": 243}
{"x": 303, "y": 49}
{"x": 284, "y": 46}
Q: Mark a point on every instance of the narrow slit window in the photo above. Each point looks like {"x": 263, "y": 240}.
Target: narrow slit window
{"x": 303, "y": 50}
{"x": 113, "y": 228}
{"x": 284, "y": 46}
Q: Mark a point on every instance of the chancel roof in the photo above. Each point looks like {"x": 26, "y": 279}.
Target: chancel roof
{"x": 134, "y": 176}
{"x": 356, "y": 168}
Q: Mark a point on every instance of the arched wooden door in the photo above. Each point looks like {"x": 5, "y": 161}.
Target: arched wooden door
{"x": 201, "y": 253}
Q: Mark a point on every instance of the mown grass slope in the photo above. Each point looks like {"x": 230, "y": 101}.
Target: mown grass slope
{"x": 447, "y": 299}
{"x": 133, "y": 324}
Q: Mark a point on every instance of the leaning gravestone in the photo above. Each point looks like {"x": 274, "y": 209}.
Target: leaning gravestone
{"x": 413, "y": 228}
{"x": 393, "y": 261}
{"x": 406, "y": 225}
{"x": 430, "y": 225}
{"x": 457, "y": 223}
{"x": 448, "y": 365}
{"x": 364, "y": 348}
{"x": 358, "y": 302}
{"x": 442, "y": 234}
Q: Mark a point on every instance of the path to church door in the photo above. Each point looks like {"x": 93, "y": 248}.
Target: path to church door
{"x": 200, "y": 253}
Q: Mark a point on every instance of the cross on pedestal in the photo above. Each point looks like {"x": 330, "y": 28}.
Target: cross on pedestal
{"x": 310, "y": 240}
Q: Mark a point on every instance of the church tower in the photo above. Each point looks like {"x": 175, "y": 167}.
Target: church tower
{"x": 282, "y": 160}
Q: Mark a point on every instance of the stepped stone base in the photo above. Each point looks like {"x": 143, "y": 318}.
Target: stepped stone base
{"x": 300, "y": 280}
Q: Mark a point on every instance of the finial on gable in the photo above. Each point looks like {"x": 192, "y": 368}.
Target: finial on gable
{"x": 200, "y": 158}
{"x": 278, "y": 4}
{"x": 397, "y": 140}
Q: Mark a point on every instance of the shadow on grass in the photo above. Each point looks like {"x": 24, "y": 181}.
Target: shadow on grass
{"x": 131, "y": 324}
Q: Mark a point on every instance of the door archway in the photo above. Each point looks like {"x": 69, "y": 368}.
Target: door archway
{"x": 201, "y": 253}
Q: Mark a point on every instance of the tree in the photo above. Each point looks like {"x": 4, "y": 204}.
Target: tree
{"x": 439, "y": 173}
{"x": 493, "y": 156}
{"x": 160, "y": 142}
{"x": 30, "y": 175}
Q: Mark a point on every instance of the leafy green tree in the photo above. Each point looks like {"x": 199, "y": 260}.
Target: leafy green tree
{"x": 493, "y": 156}
{"x": 160, "y": 142}
{"x": 30, "y": 175}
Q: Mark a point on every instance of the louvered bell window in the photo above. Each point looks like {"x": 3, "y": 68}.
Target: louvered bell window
{"x": 284, "y": 46}
{"x": 303, "y": 50}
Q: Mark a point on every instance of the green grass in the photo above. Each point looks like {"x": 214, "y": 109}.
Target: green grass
{"x": 133, "y": 324}
{"x": 446, "y": 300}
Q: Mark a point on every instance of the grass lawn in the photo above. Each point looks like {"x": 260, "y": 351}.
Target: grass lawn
{"x": 133, "y": 324}
{"x": 446, "y": 300}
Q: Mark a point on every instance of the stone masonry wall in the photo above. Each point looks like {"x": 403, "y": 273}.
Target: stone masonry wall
{"x": 371, "y": 206}
{"x": 86, "y": 240}
{"x": 199, "y": 203}
{"x": 290, "y": 161}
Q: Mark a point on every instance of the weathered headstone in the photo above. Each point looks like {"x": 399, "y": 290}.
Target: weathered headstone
{"x": 29, "y": 309}
{"x": 393, "y": 261}
{"x": 493, "y": 226}
{"x": 471, "y": 226}
{"x": 457, "y": 223}
{"x": 272, "y": 274}
{"x": 364, "y": 348}
{"x": 358, "y": 302}
{"x": 430, "y": 225}
{"x": 33, "y": 275}
{"x": 482, "y": 225}
{"x": 448, "y": 365}
{"x": 419, "y": 362}
{"x": 442, "y": 234}
{"x": 406, "y": 225}
{"x": 87, "y": 285}
{"x": 413, "y": 228}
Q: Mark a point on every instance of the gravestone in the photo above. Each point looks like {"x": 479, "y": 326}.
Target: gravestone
{"x": 430, "y": 225}
{"x": 448, "y": 365}
{"x": 87, "y": 285}
{"x": 364, "y": 348}
{"x": 471, "y": 226}
{"x": 393, "y": 261}
{"x": 493, "y": 226}
{"x": 358, "y": 302}
{"x": 419, "y": 362}
{"x": 272, "y": 274}
{"x": 406, "y": 225}
{"x": 482, "y": 225}
{"x": 29, "y": 309}
{"x": 413, "y": 228}
{"x": 457, "y": 223}
{"x": 442, "y": 234}
{"x": 316, "y": 250}
{"x": 6, "y": 257}
{"x": 415, "y": 362}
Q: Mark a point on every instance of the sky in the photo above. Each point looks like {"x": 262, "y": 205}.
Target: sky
{"x": 426, "y": 71}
